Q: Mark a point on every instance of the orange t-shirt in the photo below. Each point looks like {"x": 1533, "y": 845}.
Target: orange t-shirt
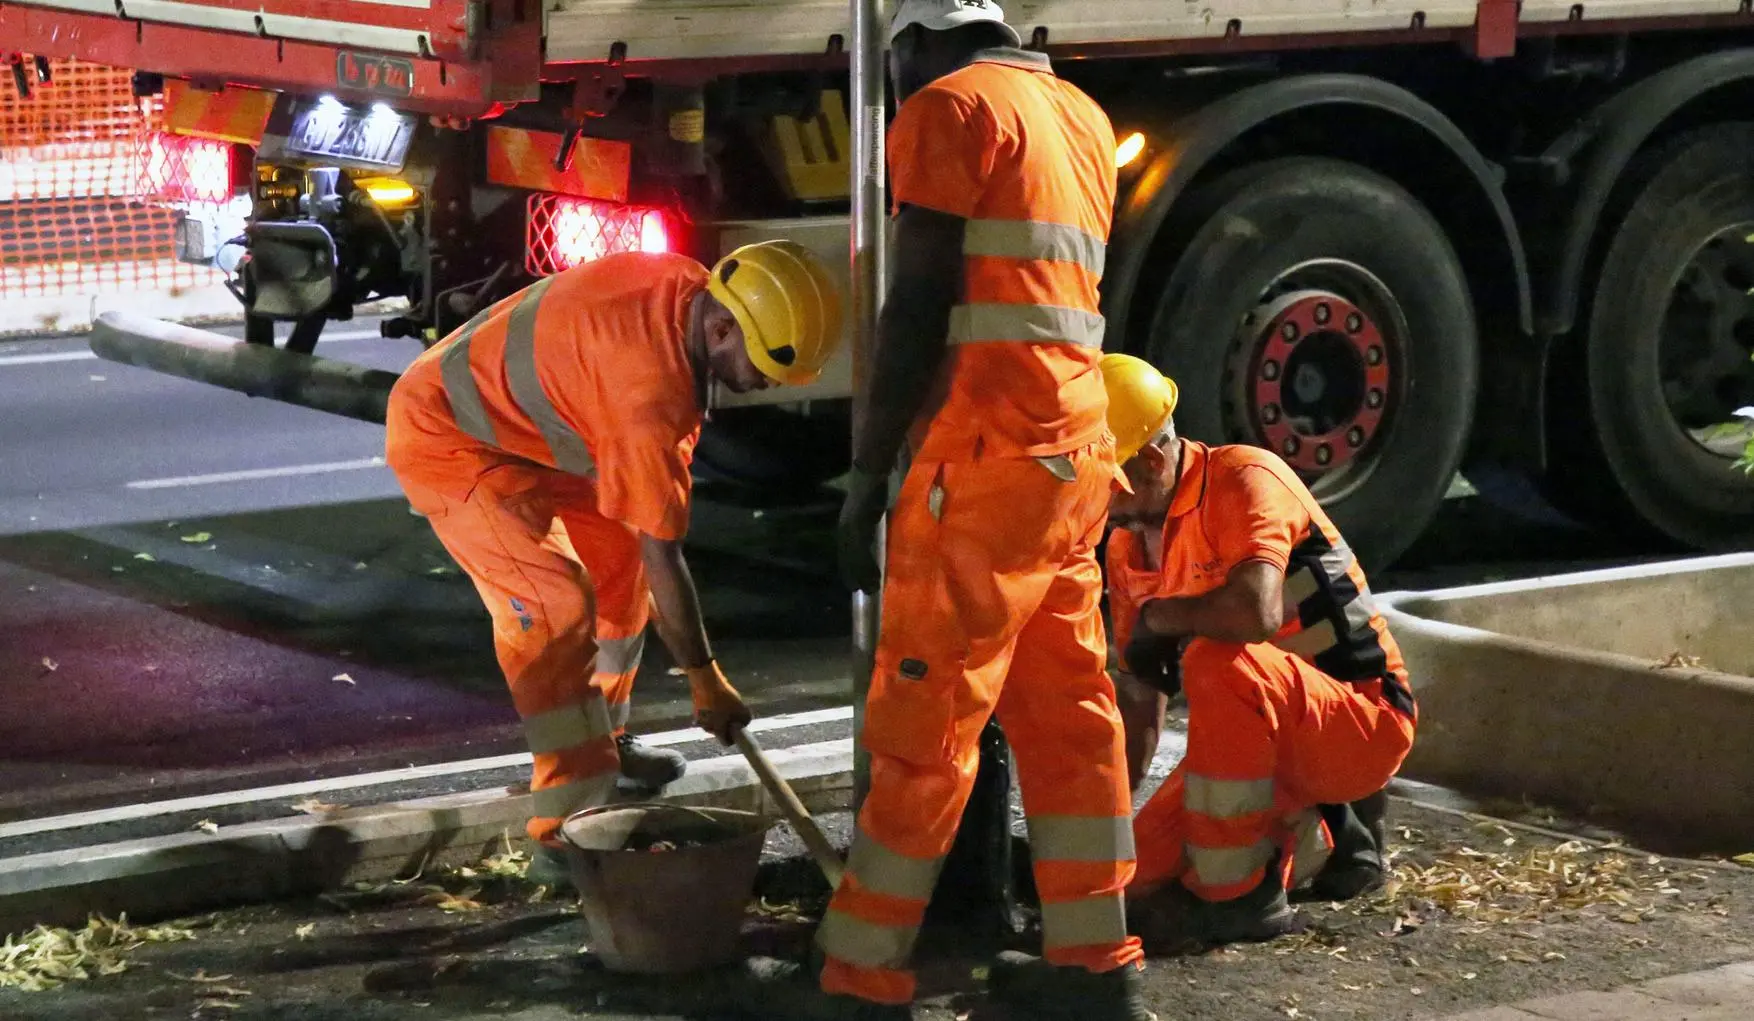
{"x": 610, "y": 357}
{"x": 1238, "y": 503}
{"x": 1006, "y": 144}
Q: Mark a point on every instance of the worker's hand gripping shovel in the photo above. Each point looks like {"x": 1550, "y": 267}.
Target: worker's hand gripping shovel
{"x": 827, "y": 858}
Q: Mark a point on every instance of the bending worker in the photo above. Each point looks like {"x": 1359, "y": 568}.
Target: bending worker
{"x": 1004, "y": 179}
{"x": 1228, "y": 581}
{"x": 548, "y": 443}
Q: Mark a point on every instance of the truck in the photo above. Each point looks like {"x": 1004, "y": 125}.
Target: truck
{"x": 1391, "y": 240}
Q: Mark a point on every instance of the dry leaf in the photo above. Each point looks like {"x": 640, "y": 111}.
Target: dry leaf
{"x": 50, "y": 665}
{"x": 311, "y": 806}
{"x": 206, "y": 826}
{"x": 149, "y": 558}
{"x": 304, "y": 931}
{"x": 344, "y": 679}
{"x": 198, "y": 537}
{"x": 46, "y": 958}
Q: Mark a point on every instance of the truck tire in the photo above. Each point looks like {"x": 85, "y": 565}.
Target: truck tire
{"x": 1636, "y": 396}
{"x": 775, "y": 451}
{"x": 1317, "y": 309}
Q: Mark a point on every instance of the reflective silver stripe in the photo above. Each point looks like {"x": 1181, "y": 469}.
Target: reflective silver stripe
{"x": 560, "y": 802}
{"x": 460, "y": 389}
{"x": 567, "y": 727}
{"x": 881, "y": 870}
{"x": 1025, "y": 324}
{"x": 1227, "y": 866}
{"x": 1226, "y": 799}
{"x": 1080, "y": 838}
{"x": 865, "y": 944}
{"x": 1300, "y": 585}
{"x": 619, "y": 714}
{"x": 1089, "y": 921}
{"x": 1311, "y": 641}
{"x": 620, "y": 655}
{"x": 1034, "y": 239}
{"x": 565, "y": 446}
{"x": 1312, "y": 846}
{"x": 1360, "y": 609}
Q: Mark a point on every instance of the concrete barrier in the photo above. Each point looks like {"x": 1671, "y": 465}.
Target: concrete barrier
{"x": 1621, "y": 694}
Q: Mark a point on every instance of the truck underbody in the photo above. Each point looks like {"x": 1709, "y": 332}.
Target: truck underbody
{"x": 1389, "y": 241}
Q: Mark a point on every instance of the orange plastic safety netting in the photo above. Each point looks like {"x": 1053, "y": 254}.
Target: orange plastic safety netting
{"x": 77, "y": 213}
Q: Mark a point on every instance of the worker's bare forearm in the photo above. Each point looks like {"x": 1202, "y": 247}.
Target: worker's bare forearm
{"x": 1246, "y": 608}
{"x": 926, "y": 282}
{"x": 678, "y": 620}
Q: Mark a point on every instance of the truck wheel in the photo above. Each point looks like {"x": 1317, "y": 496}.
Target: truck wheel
{"x": 777, "y": 451}
{"x": 1642, "y": 400}
{"x": 1318, "y": 310}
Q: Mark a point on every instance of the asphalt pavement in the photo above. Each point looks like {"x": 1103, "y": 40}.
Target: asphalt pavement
{"x": 204, "y": 591}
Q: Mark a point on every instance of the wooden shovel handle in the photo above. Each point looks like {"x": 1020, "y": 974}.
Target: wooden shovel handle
{"x": 827, "y": 858}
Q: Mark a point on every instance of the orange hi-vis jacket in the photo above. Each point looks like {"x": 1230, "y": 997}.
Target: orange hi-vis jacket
{"x": 1037, "y": 189}
{"x": 1237, "y": 503}
{"x": 585, "y": 372}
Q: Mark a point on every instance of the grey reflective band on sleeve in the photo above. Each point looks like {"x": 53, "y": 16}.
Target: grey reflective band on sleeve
{"x": 1034, "y": 239}
{"x": 460, "y": 389}
{"x": 1025, "y": 324}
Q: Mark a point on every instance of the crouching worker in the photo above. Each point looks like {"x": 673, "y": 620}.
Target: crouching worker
{"x": 548, "y": 442}
{"x": 1229, "y": 583}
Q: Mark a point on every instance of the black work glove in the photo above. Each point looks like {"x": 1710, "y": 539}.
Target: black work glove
{"x": 856, "y": 534}
{"x": 1156, "y": 660}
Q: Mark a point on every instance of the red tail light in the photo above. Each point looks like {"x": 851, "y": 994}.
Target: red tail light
{"x": 564, "y": 232}
{"x": 183, "y": 169}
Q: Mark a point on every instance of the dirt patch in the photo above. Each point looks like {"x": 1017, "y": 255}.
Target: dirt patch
{"x": 1480, "y": 914}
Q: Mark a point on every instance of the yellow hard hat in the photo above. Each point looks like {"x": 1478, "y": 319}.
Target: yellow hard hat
{"x": 788, "y": 305}
{"x": 1140, "y": 401}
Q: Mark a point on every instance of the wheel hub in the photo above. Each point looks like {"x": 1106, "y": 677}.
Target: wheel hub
{"x": 1708, "y": 333}
{"x": 1318, "y": 379}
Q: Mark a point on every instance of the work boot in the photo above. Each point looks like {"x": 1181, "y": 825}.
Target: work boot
{"x": 1358, "y": 863}
{"x": 1174, "y": 918}
{"x": 648, "y": 768}
{"x": 792, "y": 991}
{"x": 550, "y": 867}
{"x": 1034, "y": 989}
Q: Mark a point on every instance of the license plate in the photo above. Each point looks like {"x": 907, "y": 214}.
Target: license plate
{"x": 376, "y": 137}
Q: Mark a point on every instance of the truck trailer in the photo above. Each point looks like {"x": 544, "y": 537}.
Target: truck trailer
{"x": 1390, "y": 240}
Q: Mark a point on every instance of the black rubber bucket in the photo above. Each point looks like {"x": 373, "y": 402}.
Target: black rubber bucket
{"x": 664, "y": 888}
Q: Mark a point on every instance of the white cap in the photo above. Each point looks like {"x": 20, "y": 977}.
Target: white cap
{"x": 943, "y": 15}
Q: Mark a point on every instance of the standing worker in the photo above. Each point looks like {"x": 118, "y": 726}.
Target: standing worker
{"x": 548, "y": 443}
{"x": 1228, "y": 581}
{"x": 986, "y": 364}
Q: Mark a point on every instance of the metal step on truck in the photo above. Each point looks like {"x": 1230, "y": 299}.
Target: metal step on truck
{"x": 1388, "y": 239}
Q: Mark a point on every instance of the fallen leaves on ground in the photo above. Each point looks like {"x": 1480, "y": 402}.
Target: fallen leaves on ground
{"x": 46, "y": 958}
{"x": 1678, "y": 660}
{"x": 311, "y": 806}
{"x": 198, "y": 537}
{"x": 206, "y": 826}
{"x": 344, "y": 679}
{"x": 50, "y": 665}
{"x": 785, "y": 911}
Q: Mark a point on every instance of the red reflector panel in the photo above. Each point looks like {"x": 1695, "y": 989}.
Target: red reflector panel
{"x": 185, "y": 169}
{"x": 565, "y": 232}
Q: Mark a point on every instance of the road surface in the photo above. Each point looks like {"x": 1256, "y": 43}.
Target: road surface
{"x": 201, "y": 590}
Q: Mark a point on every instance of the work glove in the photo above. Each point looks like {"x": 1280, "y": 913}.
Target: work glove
{"x": 856, "y": 534}
{"x": 718, "y": 709}
{"x": 1156, "y": 660}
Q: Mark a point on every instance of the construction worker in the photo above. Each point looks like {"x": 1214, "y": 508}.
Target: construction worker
{"x": 1228, "y": 583}
{"x": 1004, "y": 182}
{"x": 548, "y": 443}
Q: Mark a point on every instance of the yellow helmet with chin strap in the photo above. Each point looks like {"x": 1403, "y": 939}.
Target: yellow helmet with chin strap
{"x": 1140, "y": 402}
{"x": 787, "y": 304}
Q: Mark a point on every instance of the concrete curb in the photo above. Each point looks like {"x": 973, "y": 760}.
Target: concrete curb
{"x": 1555, "y": 689}
{"x": 163, "y": 877}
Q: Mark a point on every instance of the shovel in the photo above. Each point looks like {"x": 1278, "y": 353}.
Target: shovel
{"x": 827, "y": 859}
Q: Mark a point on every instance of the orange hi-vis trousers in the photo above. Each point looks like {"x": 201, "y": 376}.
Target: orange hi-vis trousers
{"x": 1269, "y": 738}
{"x": 990, "y": 605}
{"x": 566, "y": 588}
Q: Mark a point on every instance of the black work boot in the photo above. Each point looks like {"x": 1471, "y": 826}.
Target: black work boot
{"x": 1034, "y": 989}
{"x": 648, "y": 768}
{"x": 780, "y": 990}
{"x": 1173, "y": 918}
{"x": 550, "y": 867}
{"x": 1358, "y": 863}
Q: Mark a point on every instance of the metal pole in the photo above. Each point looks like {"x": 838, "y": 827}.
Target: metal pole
{"x": 867, "y": 252}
